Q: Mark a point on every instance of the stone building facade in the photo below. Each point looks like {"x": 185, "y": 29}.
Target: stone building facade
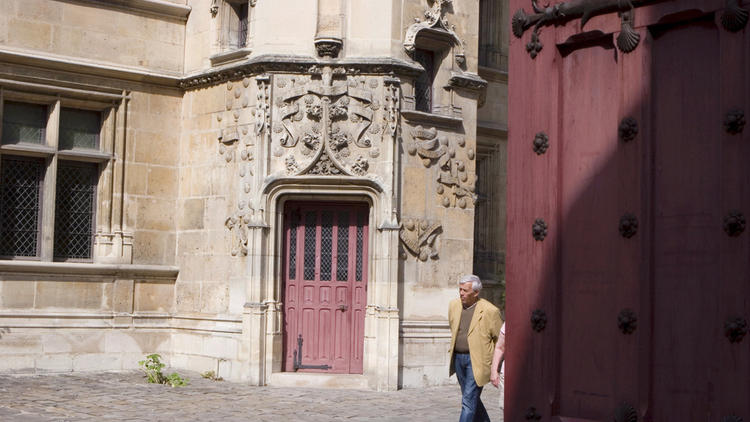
{"x": 284, "y": 194}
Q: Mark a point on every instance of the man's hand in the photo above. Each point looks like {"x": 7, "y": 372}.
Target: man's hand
{"x": 495, "y": 379}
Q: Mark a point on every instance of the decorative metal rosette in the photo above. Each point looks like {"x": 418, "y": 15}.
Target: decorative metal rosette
{"x": 538, "y": 320}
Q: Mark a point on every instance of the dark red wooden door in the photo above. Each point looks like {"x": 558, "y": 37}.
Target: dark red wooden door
{"x": 628, "y": 272}
{"x": 325, "y": 279}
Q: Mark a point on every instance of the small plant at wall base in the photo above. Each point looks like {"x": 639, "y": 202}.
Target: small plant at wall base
{"x": 153, "y": 365}
{"x": 211, "y": 375}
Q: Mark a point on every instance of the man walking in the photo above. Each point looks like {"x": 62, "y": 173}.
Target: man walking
{"x": 475, "y": 324}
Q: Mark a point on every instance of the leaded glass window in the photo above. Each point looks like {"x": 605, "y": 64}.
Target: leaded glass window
{"x": 20, "y": 199}
{"x": 24, "y": 123}
{"x": 310, "y": 220}
{"x": 423, "y": 84}
{"x": 293, "y": 249}
{"x": 360, "y": 246}
{"x": 79, "y": 129}
{"x": 342, "y": 248}
{"x": 74, "y": 209}
{"x": 326, "y": 245}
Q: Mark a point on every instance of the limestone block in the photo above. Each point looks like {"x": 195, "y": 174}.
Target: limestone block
{"x": 185, "y": 175}
{"x": 17, "y": 294}
{"x": 191, "y": 243}
{"x": 154, "y": 297}
{"x": 162, "y": 181}
{"x": 158, "y": 146}
{"x": 123, "y": 296}
{"x": 191, "y": 214}
{"x": 186, "y": 342}
{"x": 56, "y": 343}
{"x": 149, "y": 247}
{"x": 17, "y": 364}
{"x": 415, "y": 191}
{"x": 155, "y": 214}
{"x": 39, "y": 10}
{"x": 29, "y": 34}
{"x": 220, "y": 347}
{"x": 73, "y": 295}
{"x": 137, "y": 176}
{"x": 187, "y": 297}
{"x": 147, "y": 342}
{"x": 91, "y": 341}
{"x": 216, "y": 213}
{"x": 96, "y": 362}
{"x": 54, "y": 363}
{"x": 15, "y": 343}
{"x": 214, "y": 297}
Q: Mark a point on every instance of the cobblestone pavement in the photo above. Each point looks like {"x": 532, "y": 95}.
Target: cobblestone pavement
{"x": 125, "y": 396}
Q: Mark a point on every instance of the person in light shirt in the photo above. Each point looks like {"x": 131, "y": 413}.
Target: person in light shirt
{"x": 498, "y": 378}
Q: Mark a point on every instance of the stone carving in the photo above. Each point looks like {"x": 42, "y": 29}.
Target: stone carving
{"x": 734, "y": 121}
{"x": 627, "y": 321}
{"x": 539, "y": 229}
{"x": 734, "y": 223}
{"x": 628, "y": 38}
{"x": 538, "y": 320}
{"x": 263, "y": 104}
{"x": 325, "y": 120}
{"x": 328, "y": 47}
{"x": 214, "y": 8}
{"x": 628, "y": 129}
{"x": 237, "y": 225}
{"x": 392, "y": 104}
{"x": 532, "y": 414}
{"x": 734, "y": 17}
{"x": 628, "y": 225}
{"x": 625, "y": 412}
{"x": 419, "y": 237}
{"x": 455, "y": 186}
{"x": 434, "y": 18}
{"x": 735, "y": 329}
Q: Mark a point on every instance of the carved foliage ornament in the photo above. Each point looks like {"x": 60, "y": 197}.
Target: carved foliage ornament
{"x": 734, "y": 223}
{"x": 734, "y": 17}
{"x": 627, "y": 321}
{"x": 434, "y": 18}
{"x": 419, "y": 237}
{"x": 327, "y": 122}
{"x": 735, "y": 329}
{"x": 450, "y": 157}
{"x": 734, "y": 121}
{"x": 562, "y": 12}
{"x": 538, "y": 320}
{"x": 625, "y": 412}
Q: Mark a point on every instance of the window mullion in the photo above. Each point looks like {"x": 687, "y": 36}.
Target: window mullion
{"x": 49, "y": 184}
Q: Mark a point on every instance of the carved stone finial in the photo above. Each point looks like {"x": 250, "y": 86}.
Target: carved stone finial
{"x": 627, "y": 321}
{"x": 735, "y": 329}
{"x": 625, "y": 412}
{"x": 734, "y": 121}
{"x": 628, "y": 225}
{"x": 538, "y": 320}
{"x": 328, "y": 47}
{"x": 734, "y": 223}
{"x": 541, "y": 143}
{"x": 734, "y": 17}
{"x": 628, "y": 129}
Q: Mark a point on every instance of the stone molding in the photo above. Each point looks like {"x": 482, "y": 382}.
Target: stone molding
{"x": 160, "y": 8}
{"x": 418, "y": 329}
{"x": 123, "y": 271}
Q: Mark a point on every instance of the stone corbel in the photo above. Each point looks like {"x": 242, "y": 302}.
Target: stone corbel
{"x": 436, "y": 23}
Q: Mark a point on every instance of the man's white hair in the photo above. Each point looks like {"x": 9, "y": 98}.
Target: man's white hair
{"x": 476, "y": 283}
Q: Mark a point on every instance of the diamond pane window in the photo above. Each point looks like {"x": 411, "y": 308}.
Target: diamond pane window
{"x": 423, "y": 84}
{"x": 310, "y": 220}
{"x": 74, "y": 209}
{"x": 79, "y": 128}
{"x": 360, "y": 246}
{"x": 24, "y": 123}
{"x": 342, "y": 268}
{"x": 20, "y": 198}
{"x": 242, "y": 33}
{"x": 293, "y": 249}
{"x": 326, "y": 245}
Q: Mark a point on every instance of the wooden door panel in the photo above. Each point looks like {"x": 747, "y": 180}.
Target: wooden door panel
{"x": 319, "y": 303}
{"x": 680, "y": 274}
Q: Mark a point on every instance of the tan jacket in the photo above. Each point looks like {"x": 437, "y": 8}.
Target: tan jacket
{"x": 483, "y": 332}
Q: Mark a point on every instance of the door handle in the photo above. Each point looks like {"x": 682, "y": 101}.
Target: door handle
{"x": 343, "y": 308}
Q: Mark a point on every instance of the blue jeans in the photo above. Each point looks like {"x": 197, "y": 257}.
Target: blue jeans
{"x": 472, "y": 409}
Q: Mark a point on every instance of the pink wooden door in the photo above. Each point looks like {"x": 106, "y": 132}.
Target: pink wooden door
{"x": 628, "y": 267}
{"x": 325, "y": 279}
